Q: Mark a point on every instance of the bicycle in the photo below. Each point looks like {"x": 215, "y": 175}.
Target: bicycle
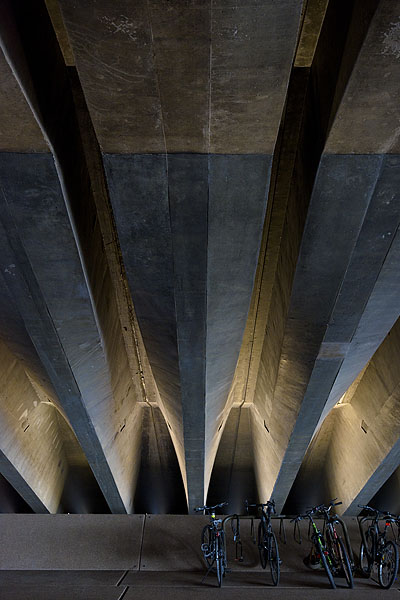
{"x": 335, "y": 545}
{"x": 376, "y": 549}
{"x": 317, "y": 538}
{"x": 213, "y": 542}
{"x": 267, "y": 544}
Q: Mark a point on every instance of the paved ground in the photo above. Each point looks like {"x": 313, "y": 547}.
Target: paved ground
{"x": 108, "y": 585}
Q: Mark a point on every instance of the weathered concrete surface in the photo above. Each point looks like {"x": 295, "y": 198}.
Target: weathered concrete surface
{"x": 200, "y": 77}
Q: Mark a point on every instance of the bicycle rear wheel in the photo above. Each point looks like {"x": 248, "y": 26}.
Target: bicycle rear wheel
{"x": 262, "y": 545}
{"x": 388, "y": 565}
{"x": 367, "y": 554}
{"x": 345, "y": 563}
{"x": 207, "y": 545}
{"x": 273, "y": 558}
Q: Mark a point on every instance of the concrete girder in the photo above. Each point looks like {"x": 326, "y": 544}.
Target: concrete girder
{"x": 168, "y": 207}
{"x": 79, "y": 338}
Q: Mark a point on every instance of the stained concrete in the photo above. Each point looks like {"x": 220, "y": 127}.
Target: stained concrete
{"x": 198, "y": 77}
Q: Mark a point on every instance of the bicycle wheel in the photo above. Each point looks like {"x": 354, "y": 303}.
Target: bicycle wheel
{"x": 219, "y": 559}
{"x": 321, "y": 551}
{"x": 388, "y": 565}
{"x": 345, "y": 563}
{"x": 273, "y": 557}
{"x": 262, "y": 545}
{"x": 207, "y": 545}
{"x": 367, "y": 554}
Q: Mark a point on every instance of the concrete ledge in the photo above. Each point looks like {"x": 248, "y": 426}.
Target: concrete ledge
{"x": 70, "y": 542}
{"x": 99, "y": 549}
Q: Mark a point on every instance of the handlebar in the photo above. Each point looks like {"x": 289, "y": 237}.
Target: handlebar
{"x": 210, "y": 508}
{"x": 269, "y": 504}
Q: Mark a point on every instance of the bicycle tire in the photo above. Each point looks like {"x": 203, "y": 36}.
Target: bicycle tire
{"x": 207, "y": 545}
{"x": 262, "y": 545}
{"x": 367, "y": 554}
{"x": 321, "y": 551}
{"x": 388, "y": 565}
{"x": 273, "y": 557}
{"x": 219, "y": 559}
{"x": 345, "y": 563}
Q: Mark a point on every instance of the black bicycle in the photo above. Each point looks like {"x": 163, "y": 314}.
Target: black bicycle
{"x": 267, "y": 544}
{"x": 340, "y": 561}
{"x": 376, "y": 549}
{"x": 322, "y": 554}
{"x": 213, "y": 542}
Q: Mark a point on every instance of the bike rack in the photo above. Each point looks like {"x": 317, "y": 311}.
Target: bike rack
{"x": 346, "y": 538}
{"x": 282, "y": 530}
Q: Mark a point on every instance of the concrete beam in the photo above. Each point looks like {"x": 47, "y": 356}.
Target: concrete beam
{"x": 91, "y": 372}
{"x": 294, "y": 364}
{"x": 182, "y": 288}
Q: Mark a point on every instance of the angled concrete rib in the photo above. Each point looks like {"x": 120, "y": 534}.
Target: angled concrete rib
{"x": 361, "y": 232}
{"x": 62, "y": 284}
{"x": 314, "y": 309}
{"x": 188, "y": 187}
{"x": 357, "y": 447}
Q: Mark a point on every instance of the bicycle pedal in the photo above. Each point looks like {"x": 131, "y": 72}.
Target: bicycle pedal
{"x": 241, "y": 559}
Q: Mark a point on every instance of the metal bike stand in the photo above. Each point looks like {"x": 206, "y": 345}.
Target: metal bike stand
{"x": 346, "y": 537}
{"x": 251, "y": 518}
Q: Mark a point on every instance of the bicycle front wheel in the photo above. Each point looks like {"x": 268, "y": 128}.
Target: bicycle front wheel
{"x": 262, "y": 545}
{"x": 345, "y": 563}
{"x": 388, "y": 565}
{"x": 367, "y": 554}
{"x": 274, "y": 563}
{"x": 220, "y": 560}
{"x": 207, "y": 545}
{"x": 321, "y": 551}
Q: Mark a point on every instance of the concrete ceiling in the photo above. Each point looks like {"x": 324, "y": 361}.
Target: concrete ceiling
{"x": 199, "y": 251}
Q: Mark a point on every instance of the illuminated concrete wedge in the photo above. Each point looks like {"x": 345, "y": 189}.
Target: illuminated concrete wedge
{"x": 61, "y": 284}
{"x": 188, "y": 186}
{"x": 356, "y": 449}
{"x": 36, "y": 470}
